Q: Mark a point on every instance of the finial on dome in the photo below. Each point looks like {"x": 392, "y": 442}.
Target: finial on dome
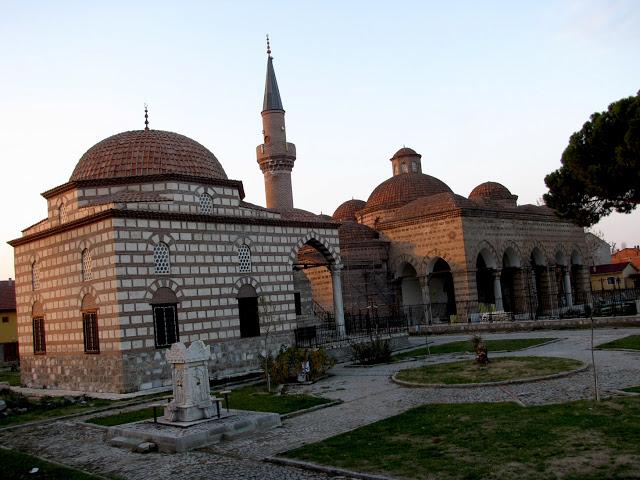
{"x": 268, "y": 46}
{"x": 146, "y": 117}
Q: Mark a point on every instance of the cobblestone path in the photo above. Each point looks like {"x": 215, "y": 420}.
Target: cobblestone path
{"x": 368, "y": 395}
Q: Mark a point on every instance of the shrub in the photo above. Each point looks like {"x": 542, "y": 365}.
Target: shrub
{"x": 376, "y": 351}
{"x": 288, "y": 364}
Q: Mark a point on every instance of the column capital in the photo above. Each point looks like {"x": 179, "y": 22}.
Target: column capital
{"x": 335, "y": 267}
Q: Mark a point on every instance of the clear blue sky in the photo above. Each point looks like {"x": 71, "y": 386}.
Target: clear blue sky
{"x": 484, "y": 91}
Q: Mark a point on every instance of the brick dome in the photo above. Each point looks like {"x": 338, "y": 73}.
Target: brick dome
{"x": 347, "y": 210}
{"x": 491, "y": 191}
{"x": 353, "y": 232}
{"x": 402, "y": 189}
{"x": 405, "y": 152}
{"x": 147, "y": 152}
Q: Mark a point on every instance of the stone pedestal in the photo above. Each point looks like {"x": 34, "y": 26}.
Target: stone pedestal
{"x": 191, "y": 395}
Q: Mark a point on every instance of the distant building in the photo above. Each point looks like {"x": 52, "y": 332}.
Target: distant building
{"x": 627, "y": 255}
{"x": 613, "y": 276}
{"x": 8, "y": 322}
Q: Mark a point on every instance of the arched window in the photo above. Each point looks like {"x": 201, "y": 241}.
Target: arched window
{"x": 248, "y": 311}
{"x": 206, "y": 204}
{"x": 165, "y": 317}
{"x": 405, "y": 169}
{"x": 89, "y": 311}
{"x": 161, "y": 258}
{"x": 414, "y": 166}
{"x": 244, "y": 258}
{"x": 37, "y": 324}
{"x": 395, "y": 170}
{"x": 87, "y": 265}
{"x": 35, "y": 279}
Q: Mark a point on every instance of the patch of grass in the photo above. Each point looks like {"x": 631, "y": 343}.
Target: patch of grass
{"x": 498, "y": 369}
{"x": 632, "y": 342}
{"x": 578, "y": 440}
{"x": 13, "y": 378}
{"x": 506, "y": 345}
{"x": 635, "y": 389}
{"x": 126, "y": 417}
{"x": 257, "y": 399}
{"x": 17, "y": 465}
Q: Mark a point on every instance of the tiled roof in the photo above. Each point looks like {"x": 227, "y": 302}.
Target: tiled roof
{"x": 7, "y": 295}
{"x": 348, "y": 209}
{"x": 402, "y": 189}
{"x": 353, "y": 232}
{"x": 405, "y": 152}
{"x": 491, "y": 191}
{"x": 147, "y": 152}
{"x": 441, "y": 202}
{"x": 609, "y": 268}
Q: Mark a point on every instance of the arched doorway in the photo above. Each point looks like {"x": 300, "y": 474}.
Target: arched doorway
{"x": 411, "y": 294}
{"x": 248, "y": 312}
{"x": 511, "y": 282}
{"x": 441, "y": 292}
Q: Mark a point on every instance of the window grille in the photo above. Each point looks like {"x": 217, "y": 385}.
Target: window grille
{"x": 90, "y": 328}
{"x": 35, "y": 279}
{"x": 414, "y": 166}
{"x": 405, "y": 169}
{"x": 206, "y": 204}
{"x": 87, "y": 265}
{"x": 62, "y": 213}
{"x": 39, "y": 343}
{"x": 165, "y": 322}
{"x": 244, "y": 258}
{"x": 161, "y": 258}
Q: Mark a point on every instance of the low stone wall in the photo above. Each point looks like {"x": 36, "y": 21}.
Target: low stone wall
{"x": 517, "y": 326}
{"x": 89, "y": 373}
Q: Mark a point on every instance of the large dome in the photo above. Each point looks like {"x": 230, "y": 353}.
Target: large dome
{"x": 147, "y": 152}
{"x": 402, "y": 189}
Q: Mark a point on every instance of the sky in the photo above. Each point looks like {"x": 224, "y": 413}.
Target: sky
{"x": 483, "y": 90}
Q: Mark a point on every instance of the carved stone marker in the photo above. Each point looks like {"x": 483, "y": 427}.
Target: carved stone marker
{"x": 191, "y": 395}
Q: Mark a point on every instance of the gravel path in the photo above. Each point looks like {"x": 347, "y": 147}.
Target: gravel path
{"x": 368, "y": 395}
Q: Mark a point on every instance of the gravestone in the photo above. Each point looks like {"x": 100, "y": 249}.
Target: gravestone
{"x": 191, "y": 395}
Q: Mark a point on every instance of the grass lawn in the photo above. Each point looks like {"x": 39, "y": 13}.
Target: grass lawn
{"x": 578, "y": 440}
{"x": 507, "y": 345}
{"x": 17, "y": 465}
{"x": 12, "y": 377}
{"x": 635, "y": 389}
{"x": 252, "y": 397}
{"x": 499, "y": 369}
{"x": 256, "y": 398}
{"x": 631, "y": 342}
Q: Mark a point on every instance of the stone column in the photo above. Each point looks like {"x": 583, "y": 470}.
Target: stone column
{"x": 426, "y": 298}
{"x": 497, "y": 291}
{"x": 567, "y": 287}
{"x": 338, "y": 306}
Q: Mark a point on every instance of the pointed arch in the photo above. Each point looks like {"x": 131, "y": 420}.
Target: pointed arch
{"x": 318, "y": 242}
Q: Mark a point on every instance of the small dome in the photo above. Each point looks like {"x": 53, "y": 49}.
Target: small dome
{"x": 405, "y": 152}
{"x": 147, "y": 152}
{"x": 491, "y": 191}
{"x": 441, "y": 202}
{"x": 402, "y": 189}
{"x": 347, "y": 210}
{"x": 353, "y": 232}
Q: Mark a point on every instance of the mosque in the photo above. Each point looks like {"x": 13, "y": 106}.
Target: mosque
{"x": 150, "y": 243}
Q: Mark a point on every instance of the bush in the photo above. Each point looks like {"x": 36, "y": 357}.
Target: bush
{"x": 288, "y": 364}
{"x": 376, "y": 351}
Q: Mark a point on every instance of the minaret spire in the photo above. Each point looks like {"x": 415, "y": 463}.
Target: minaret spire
{"x": 276, "y": 156}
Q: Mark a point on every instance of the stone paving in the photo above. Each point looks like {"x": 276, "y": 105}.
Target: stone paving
{"x": 368, "y": 395}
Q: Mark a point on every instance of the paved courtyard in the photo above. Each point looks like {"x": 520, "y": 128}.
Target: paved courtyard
{"x": 368, "y": 395}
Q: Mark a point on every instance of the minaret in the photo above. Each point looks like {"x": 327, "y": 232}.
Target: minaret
{"x": 275, "y": 156}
